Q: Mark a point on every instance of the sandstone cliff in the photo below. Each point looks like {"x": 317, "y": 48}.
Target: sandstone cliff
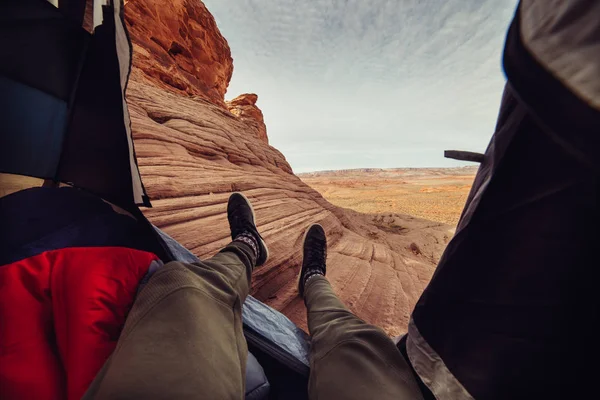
{"x": 193, "y": 150}
{"x": 178, "y": 46}
{"x": 244, "y": 106}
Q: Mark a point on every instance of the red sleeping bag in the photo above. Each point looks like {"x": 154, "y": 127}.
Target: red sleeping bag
{"x": 61, "y": 313}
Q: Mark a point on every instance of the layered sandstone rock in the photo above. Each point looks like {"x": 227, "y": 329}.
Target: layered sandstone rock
{"x": 193, "y": 153}
{"x": 178, "y": 46}
{"x": 244, "y": 107}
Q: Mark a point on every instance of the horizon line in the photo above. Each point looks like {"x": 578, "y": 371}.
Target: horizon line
{"x": 382, "y": 169}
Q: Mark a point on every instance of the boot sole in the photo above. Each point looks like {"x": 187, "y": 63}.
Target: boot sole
{"x": 264, "y": 245}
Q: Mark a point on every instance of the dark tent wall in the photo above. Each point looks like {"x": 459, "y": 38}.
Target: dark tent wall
{"x": 512, "y": 309}
{"x": 62, "y": 97}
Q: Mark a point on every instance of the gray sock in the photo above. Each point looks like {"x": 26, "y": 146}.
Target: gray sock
{"x": 248, "y": 239}
{"x": 311, "y": 273}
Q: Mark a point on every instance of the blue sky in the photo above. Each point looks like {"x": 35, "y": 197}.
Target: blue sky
{"x": 369, "y": 84}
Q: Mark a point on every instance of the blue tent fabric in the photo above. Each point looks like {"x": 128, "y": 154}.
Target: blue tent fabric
{"x": 62, "y": 92}
{"x": 32, "y": 145}
{"x": 42, "y": 219}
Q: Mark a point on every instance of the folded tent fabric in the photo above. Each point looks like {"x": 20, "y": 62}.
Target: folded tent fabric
{"x": 512, "y": 308}
{"x": 73, "y": 81}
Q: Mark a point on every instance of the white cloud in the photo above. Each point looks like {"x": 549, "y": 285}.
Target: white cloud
{"x": 355, "y": 83}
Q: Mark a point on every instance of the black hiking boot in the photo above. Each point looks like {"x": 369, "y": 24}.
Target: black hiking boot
{"x": 241, "y": 222}
{"x": 314, "y": 255}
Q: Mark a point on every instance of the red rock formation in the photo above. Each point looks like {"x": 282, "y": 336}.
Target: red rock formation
{"x": 193, "y": 153}
{"x": 244, "y": 107}
{"x": 178, "y": 46}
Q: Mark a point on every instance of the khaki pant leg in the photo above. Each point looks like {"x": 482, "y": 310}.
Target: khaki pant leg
{"x": 183, "y": 338}
{"x": 349, "y": 358}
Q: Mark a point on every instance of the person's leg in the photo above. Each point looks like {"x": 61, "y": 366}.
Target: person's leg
{"x": 183, "y": 337}
{"x": 349, "y": 358}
